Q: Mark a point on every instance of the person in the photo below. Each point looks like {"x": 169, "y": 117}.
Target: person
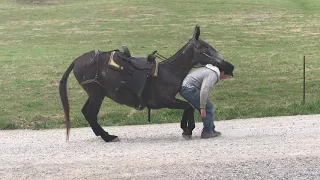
{"x": 196, "y": 88}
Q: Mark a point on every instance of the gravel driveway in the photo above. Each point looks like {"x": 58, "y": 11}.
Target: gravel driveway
{"x": 264, "y": 148}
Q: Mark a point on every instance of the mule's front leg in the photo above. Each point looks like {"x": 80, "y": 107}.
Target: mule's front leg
{"x": 187, "y": 121}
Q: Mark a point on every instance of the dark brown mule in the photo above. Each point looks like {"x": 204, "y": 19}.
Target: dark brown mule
{"x": 159, "y": 92}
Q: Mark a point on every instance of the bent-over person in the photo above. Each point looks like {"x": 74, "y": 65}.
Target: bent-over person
{"x": 196, "y": 88}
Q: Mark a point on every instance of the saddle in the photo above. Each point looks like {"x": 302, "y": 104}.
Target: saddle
{"x": 134, "y": 71}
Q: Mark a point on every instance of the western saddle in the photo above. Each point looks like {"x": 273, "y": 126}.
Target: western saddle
{"x": 134, "y": 72}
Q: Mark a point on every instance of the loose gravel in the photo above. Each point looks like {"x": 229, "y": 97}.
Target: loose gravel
{"x": 261, "y": 148}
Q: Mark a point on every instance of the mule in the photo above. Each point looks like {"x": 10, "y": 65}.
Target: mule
{"x": 100, "y": 79}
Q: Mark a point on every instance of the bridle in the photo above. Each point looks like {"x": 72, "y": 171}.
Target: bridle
{"x": 202, "y": 52}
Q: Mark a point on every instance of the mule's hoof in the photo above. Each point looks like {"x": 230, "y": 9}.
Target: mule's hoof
{"x": 116, "y": 140}
{"x": 185, "y": 136}
{"x": 110, "y": 138}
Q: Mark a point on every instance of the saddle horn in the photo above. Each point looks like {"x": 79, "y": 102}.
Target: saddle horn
{"x": 126, "y": 50}
{"x": 151, "y": 57}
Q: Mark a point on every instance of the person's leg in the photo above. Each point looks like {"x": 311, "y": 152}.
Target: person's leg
{"x": 209, "y": 132}
{"x": 192, "y": 95}
{"x": 208, "y": 120}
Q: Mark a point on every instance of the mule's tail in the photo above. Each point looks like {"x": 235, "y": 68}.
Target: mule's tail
{"x": 64, "y": 97}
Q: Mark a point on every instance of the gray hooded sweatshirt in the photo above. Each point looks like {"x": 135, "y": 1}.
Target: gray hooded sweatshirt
{"x": 204, "y": 79}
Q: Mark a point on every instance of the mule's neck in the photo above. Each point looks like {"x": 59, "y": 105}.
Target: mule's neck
{"x": 180, "y": 63}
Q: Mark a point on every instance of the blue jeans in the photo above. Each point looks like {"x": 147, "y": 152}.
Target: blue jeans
{"x": 192, "y": 95}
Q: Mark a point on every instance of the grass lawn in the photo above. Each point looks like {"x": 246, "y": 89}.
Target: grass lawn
{"x": 265, "y": 40}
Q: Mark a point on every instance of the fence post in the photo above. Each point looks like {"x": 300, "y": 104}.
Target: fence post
{"x": 304, "y": 80}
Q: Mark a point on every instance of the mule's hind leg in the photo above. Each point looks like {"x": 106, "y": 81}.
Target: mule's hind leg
{"x": 91, "y": 110}
{"x": 97, "y": 129}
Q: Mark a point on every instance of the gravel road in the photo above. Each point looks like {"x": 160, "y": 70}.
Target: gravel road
{"x": 262, "y": 148}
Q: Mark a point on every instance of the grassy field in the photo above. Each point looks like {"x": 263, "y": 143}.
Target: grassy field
{"x": 265, "y": 40}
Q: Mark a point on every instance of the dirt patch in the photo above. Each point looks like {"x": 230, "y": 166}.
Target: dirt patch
{"x": 41, "y": 2}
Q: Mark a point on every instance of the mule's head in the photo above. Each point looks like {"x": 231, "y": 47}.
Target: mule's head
{"x": 203, "y": 52}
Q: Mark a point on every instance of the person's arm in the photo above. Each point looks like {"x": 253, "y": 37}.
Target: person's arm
{"x": 206, "y": 86}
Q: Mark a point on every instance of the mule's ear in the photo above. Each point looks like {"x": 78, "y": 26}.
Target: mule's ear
{"x": 126, "y": 50}
{"x": 196, "y": 33}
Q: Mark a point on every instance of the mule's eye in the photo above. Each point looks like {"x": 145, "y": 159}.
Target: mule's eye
{"x": 206, "y": 49}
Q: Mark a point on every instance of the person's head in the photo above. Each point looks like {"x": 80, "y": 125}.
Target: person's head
{"x": 226, "y": 70}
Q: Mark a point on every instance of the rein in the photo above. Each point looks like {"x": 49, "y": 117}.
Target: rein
{"x": 164, "y": 59}
{"x": 179, "y": 66}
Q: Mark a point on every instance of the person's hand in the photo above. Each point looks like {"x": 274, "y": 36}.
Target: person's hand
{"x": 203, "y": 113}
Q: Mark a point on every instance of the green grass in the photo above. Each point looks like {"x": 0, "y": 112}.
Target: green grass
{"x": 265, "y": 40}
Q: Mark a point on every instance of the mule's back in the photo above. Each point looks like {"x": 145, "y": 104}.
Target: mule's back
{"x": 123, "y": 78}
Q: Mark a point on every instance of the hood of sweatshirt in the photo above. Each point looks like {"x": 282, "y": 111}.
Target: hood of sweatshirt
{"x": 214, "y": 68}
